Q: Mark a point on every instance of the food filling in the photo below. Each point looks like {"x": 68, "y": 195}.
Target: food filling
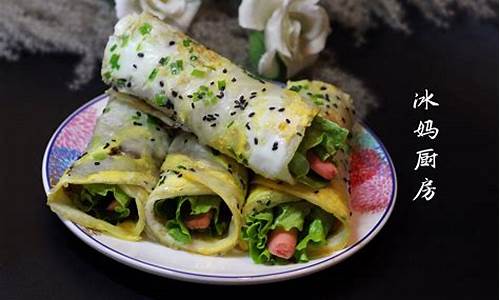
{"x": 285, "y": 232}
{"x": 188, "y": 215}
{"x": 104, "y": 201}
{"x": 313, "y": 162}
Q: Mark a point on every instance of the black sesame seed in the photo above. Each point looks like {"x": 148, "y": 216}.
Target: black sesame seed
{"x": 224, "y": 71}
{"x": 105, "y": 146}
{"x": 287, "y": 120}
{"x": 97, "y": 163}
{"x": 247, "y": 125}
{"x": 140, "y": 54}
{"x": 161, "y": 83}
{"x": 281, "y": 109}
{"x": 275, "y": 146}
{"x": 251, "y": 114}
{"x": 137, "y": 123}
{"x": 171, "y": 43}
{"x": 129, "y": 84}
{"x": 272, "y": 108}
{"x": 316, "y": 192}
{"x": 213, "y": 125}
{"x": 263, "y": 89}
{"x": 192, "y": 170}
{"x": 252, "y": 96}
{"x": 299, "y": 134}
{"x": 255, "y": 141}
{"x": 174, "y": 93}
{"x": 192, "y": 105}
{"x": 135, "y": 66}
{"x": 233, "y": 80}
{"x": 335, "y": 105}
{"x": 343, "y": 120}
{"x": 185, "y": 141}
{"x": 138, "y": 113}
{"x": 190, "y": 96}
{"x": 323, "y": 88}
{"x": 152, "y": 140}
{"x": 232, "y": 113}
{"x": 180, "y": 175}
{"x": 180, "y": 97}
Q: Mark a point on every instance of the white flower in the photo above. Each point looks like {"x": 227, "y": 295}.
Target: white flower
{"x": 179, "y": 13}
{"x": 296, "y": 30}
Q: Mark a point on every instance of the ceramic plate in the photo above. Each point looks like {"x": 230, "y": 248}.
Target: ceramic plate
{"x": 373, "y": 189}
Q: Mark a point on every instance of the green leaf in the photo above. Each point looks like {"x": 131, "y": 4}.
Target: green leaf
{"x": 256, "y": 48}
{"x": 176, "y": 209}
{"x": 94, "y": 199}
{"x": 255, "y": 233}
{"x": 203, "y": 204}
{"x": 292, "y": 215}
{"x": 324, "y": 137}
{"x": 316, "y": 235}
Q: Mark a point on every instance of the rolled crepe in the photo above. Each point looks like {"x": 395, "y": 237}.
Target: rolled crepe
{"x": 228, "y": 108}
{"x": 320, "y": 219}
{"x": 297, "y": 222}
{"x": 197, "y": 201}
{"x": 107, "y": 187}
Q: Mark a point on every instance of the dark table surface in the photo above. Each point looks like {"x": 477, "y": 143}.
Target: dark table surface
{"x": 443, "y": 249}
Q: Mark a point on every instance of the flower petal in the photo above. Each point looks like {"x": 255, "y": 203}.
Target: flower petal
{"x": 254, "y": 14}
{"x": 125, "y": 7}
{"x": 268, "y": 65}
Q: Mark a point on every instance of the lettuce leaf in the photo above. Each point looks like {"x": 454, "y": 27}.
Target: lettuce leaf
{"x": 320, "y": 225}
{"x": 94, "y": 199}
{"x": 291, "y": 215}
{"x": 325, "y": 138}
{"x": 255, "y": 231}
{"x": 175, "y": 210}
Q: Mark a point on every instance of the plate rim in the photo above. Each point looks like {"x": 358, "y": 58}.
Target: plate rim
{"x": 172, "y": 273}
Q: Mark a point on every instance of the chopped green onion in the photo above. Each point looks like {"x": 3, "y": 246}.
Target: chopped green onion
{"x": 164, "y": 60}
{"x": 176, "y": 67}
{"x": 124, "y": 39}
{"x": 193, "y": 57}
{"x": 114, "y": 61}
{"x": 221, "y": 84}
{"x": 160, "y": 99}
{"x": 198, "y": 73}
{"x": 186, "y": 42}
{"x": 145, "y": 28}
{"x": 153, "y": 74}
{"x": 113, "y": 48}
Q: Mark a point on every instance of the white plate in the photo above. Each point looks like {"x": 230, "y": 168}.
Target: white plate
{"x": 373, "y": 196}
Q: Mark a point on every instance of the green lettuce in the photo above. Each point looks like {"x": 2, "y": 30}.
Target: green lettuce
{"x": 288, "y": 215}
{"x": 320, "y": 225}
{"x": 325, "y": 138}
{"x": 175, "y": 210}
{"x": 95, "y": 198}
